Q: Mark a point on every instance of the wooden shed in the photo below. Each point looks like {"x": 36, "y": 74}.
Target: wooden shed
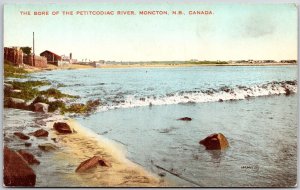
{"x": 52, "y": 58}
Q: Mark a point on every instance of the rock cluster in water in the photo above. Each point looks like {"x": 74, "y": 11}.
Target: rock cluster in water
{"x": 17, "y": 171}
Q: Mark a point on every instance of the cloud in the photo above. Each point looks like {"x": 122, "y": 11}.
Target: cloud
{"x": 258, "y": 26}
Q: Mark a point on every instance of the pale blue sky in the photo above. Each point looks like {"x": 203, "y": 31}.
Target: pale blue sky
{"x": 234, "y": 31}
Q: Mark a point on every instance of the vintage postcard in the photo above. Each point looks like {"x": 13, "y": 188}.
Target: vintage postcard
{"x": 150, "y": 95}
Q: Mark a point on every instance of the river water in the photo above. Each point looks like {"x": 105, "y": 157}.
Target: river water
{"x": 140, "y": 108}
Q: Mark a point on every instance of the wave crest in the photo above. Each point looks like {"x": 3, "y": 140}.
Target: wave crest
{"x": 224, "y": 93}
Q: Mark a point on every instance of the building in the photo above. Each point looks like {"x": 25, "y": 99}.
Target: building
{"x": 16, "y": 56}
{"x": 97, "y": 63}
{"x": 52, "y": 58}
{"x": 68, "y": 59}
{"x": 13, "y": 55}
{"x": 288, "y": 61}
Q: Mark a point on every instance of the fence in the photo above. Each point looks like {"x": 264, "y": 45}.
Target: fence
{"x": 38, "y": 61}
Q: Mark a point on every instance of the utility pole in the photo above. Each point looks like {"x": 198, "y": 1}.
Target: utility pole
{"x": 33, "y": 50}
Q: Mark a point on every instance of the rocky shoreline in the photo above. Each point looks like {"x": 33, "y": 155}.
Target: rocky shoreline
{"x": 92, "y": 161}
{"x": 52, "y": 150}
{"x": 59, "y": 148}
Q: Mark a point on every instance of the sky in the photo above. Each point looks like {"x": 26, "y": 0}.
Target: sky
{"x": 231, "y": 32}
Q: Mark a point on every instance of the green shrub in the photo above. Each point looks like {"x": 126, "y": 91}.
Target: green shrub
{"x": 206, "y": 62}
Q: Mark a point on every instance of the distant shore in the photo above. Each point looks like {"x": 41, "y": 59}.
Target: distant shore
{"x": 156, "y": 65}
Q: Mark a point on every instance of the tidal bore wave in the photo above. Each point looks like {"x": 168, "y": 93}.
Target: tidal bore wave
{"x": 200, "y": 96}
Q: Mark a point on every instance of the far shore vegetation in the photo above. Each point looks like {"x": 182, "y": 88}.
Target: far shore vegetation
{"x": 29, "y": 91}
{"x": 191, "y": 62}
{"x": 206, "y": 62}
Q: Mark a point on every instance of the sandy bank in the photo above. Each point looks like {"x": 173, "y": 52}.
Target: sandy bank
{"x": 84, "y": 144}
{"x": 112, "y": 66}
{"x": 53, "y": 67}
{"x": 188, "y": 65}
{"x": 57, "y": 167}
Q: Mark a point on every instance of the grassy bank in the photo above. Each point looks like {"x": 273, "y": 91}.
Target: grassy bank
{"x": 14, "y": 72}
{"x": 29, "y": 91}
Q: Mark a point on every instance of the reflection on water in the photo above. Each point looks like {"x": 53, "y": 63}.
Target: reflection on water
{"x": 216, "y": 155}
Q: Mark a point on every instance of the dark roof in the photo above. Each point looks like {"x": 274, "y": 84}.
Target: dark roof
{"x": 49, "y": 52}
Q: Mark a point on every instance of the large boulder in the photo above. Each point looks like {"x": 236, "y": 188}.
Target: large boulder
{"x": 216, "y": 141}
{"x": 62, "y": 127}
{"x": 41, "y": 107}
{"x": 15, "y": 103}
{"x": 16, "y": 170}
{"x": 47, "y": 147}
{"x": 21, "y": 135}
{"x": 91, "y": 163}
{"x": 40, "y": 133}
{"x": 30, "y": 159}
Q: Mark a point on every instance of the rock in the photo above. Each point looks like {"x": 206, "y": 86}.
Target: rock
{"x": 16, "y": 170}
{"x": 216, "y": 141}
{"x": 7, "y": 139}
{"x": 30, "y": 159}
{"x": 287, "y": 91}
{"x": 291, "y": 82}
{"x": 162, "y": 174}
{"x": 15, "y": 103}
{"x": 185, "y": 119}
{"x": 27, "y": 144}
{"x": 103, "y": 162}
{"x": 16, "y": 91}
{"x": 62, "y": 127}
{"x": 88, "y": 164}
{"x": 220, "y": 100}
{"x": 21, "y": 135}
{"x": 54, "y": 140}
{"x": 91, "y": 163}
{"x": 40, "y": 133}
{"x": 41, "y": 107}
{"x": 8, "y": 87}
{"x": 47, "y": 147}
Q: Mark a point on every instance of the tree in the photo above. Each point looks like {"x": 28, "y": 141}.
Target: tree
{"x": 26, "y": 50}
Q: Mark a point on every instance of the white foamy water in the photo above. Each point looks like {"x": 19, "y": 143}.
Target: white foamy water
{"x": 135, "y": 87}
{"x": 222, "y": 94}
